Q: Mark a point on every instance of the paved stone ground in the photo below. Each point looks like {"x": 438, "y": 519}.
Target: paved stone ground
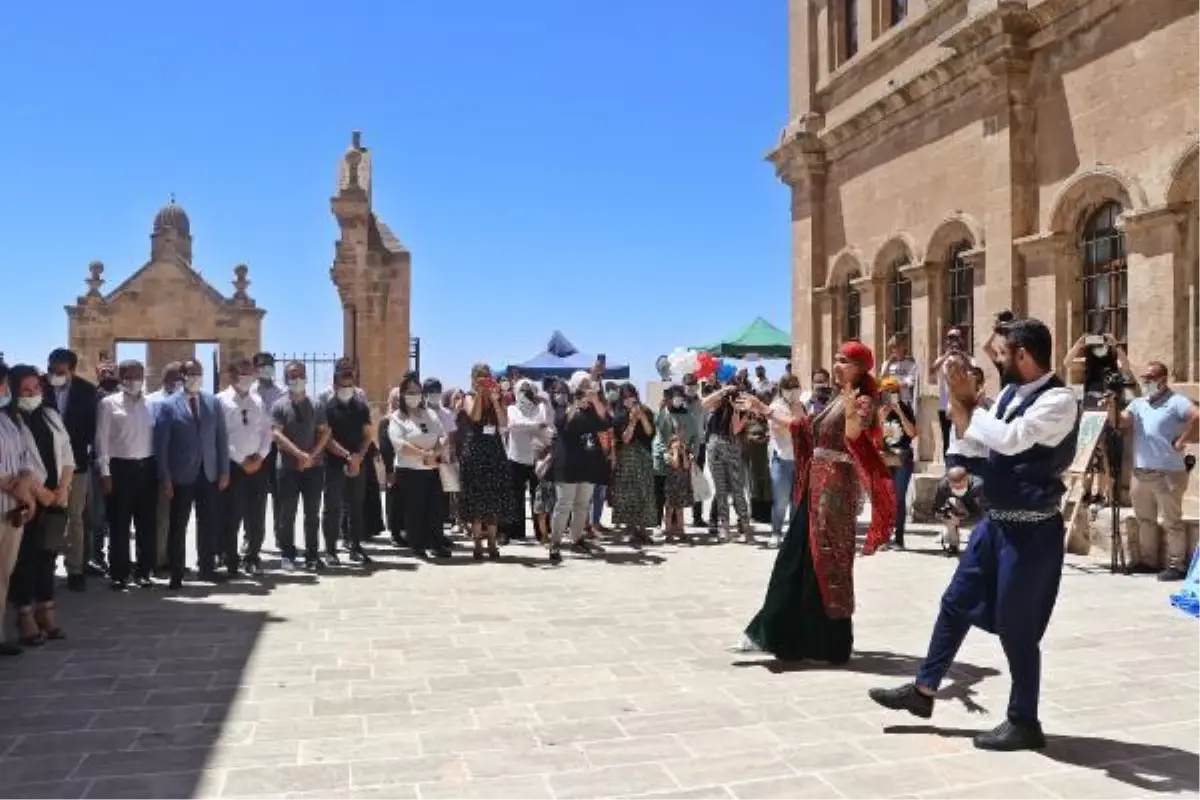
{"x": 597, "y": 679}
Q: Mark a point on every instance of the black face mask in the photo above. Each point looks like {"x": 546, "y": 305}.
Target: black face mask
{"x": 109, "y": 384}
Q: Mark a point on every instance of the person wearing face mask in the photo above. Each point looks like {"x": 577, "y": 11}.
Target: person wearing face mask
{"x": 269, "y": 392}
{"x": 248, "y": 429}
{"x": 76, "y": 401}
{"x": 125, "y": 457}
{"x": 172, "y": 382}
{"x": 419, "y": 440}
{"x": 674, "y": 419}
{"x": 300, "y": 435}
{"x": 31, "y": 585}
{"x": 529, "y": 427}
{"x": 633, "y": 480}
{"x": 958, "y": 501}
{"x": 484, "y": 502}
{"x": 393, "y": 503}
{"x": 695, "y": 410}
{"x": 191, "y": 443}
{"x": 579, "y": 462}
{"x": 437, "y": 401}
{"x": 1163, "y": 423}
{"x": 784, "y": 408}
{"x": 97, "y": 517}
{"x": 954, "y": 349}
{"x": 902, "y": 366}
{"x": 815, "y": 399}
{"x": 725, "y": 462}
{"x": 899, "y": 426}
{"x": 348, "y": 418}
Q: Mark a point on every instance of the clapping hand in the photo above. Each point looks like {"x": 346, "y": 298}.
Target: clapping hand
{"x": 961, "y": 384}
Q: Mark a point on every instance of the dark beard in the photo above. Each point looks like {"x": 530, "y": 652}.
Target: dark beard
{"x": 1011, "y": 375}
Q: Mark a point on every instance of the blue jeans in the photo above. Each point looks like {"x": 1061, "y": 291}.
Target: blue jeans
{"x": 598, "y": 494}
{"x": 783, "y": 480}
{"x": 901, "y": 477}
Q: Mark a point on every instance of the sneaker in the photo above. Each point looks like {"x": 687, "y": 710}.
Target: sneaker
{"x": 587, "y": 548}
{"x": 143, "y": 582}
{"x": 359, "y": 556}
{"x": 287, "y": 564}
{"x": 745, "y": 645}
{"x": 331, "y": 557}
{"x": 117, "y": 586}
{"x": 773, "y": 541}
{"x": 555, "y": 555}
{"x": 904, "y": 698}
{"x": 314, "y": 564}
{"x": 1171, "y": 574}
{"x": 253, "y": 567}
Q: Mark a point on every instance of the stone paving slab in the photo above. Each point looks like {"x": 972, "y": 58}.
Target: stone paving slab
{"x": 600, "y": 678}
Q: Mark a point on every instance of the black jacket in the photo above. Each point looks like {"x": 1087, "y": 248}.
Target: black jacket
{"x": 83, "y": 401}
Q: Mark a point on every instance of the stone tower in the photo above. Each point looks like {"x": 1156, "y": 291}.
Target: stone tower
{"x": 372, "y": 271}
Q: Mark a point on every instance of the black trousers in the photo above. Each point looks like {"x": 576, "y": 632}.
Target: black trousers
{"x": 203, "y": 497}
{"x": 698, "y": 508}
{"x": 423, "y": 507}
{"x": 245, "y": 506}
{"x": 520, "y": 476}
{"x": 32, "y": 579}
{"x": 944, "y": 421}
{"x": 134, "y": 499}
{"x": 293, "y": 485}
{"x": 343, "y": 494}
{"x": 395, "y": 506}
{"x": 660, "y": 497}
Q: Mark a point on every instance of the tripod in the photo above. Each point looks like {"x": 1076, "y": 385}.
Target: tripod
{"x": 1114, "y": 452}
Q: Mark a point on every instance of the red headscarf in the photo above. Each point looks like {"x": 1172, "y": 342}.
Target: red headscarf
{"x": 859, "y": 353}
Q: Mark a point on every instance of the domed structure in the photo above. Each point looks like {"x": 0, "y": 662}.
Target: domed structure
{"x": 172, "y": 216}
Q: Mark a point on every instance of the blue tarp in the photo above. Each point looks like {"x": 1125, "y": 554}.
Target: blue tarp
{"x": 1187, "y": 599}
{"x": 560, "y": 359}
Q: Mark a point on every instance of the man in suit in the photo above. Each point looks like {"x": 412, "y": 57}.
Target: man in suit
{"x": 193, "y": 460}
{"x": 76, "y": 401}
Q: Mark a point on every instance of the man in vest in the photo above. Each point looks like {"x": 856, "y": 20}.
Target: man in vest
{"x": 1007, "y": 580}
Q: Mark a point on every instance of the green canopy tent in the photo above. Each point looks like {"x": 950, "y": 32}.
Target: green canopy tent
{"x": 759, "y": 338}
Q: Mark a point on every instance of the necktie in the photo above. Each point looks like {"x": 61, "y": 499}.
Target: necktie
{"x": 195, "y": 406}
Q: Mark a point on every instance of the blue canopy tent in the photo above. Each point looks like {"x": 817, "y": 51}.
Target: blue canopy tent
{"x": 560, "y": 359}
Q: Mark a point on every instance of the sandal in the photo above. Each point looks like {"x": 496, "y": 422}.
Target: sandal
{"x": 45, "y": 616}
{"x": 26, "y": 620}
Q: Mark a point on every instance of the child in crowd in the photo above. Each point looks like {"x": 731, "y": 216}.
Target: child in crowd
{"x": 545, "y": 495}
{"x": 678, "y": 488}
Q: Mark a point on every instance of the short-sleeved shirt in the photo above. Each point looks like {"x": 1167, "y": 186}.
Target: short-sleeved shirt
{"x": 422, "y": 428}
{"x": 347, "y": 421}
{"x": 1156, "y": 427}
{"x": 298, "y": 420}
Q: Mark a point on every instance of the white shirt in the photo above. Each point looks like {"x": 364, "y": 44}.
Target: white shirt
{"x": 527, "y": 427}
{"x": 247, "y": 425}
{"x": 781, "y": 435}
{"x": 1048, "y": 421}
{"x": 421, "y": 428}
{"x": 269, "y": 392}
{"x": 124, "y": 429}
{"x": 17, "y": 454}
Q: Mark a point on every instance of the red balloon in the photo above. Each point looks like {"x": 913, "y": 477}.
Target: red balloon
{"x": 708, "y": 365}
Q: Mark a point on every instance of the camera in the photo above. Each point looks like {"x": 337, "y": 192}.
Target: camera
{"x": 1003, "y": 320}
{"x": 1115, "y": 381}
{"x": 954, "y": 507}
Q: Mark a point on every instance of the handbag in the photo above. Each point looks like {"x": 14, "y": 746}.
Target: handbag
{"x": 52, "y": 524}
{"x": 448, "y": 473}
{"x": 702, "y": 486}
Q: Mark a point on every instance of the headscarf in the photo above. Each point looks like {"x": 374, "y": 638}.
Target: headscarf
{"x": 520, "y": 394}
{"x": 578, "y": 379}
{"x": 865, "y": 451}
{"x": 859, "y": 353}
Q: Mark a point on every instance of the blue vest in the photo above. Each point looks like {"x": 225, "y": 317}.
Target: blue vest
{"x": 1030, "y": 480}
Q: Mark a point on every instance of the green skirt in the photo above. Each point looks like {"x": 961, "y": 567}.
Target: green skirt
{"x": 792, "y": 624}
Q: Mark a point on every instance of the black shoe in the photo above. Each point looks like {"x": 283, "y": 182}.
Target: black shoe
{"x": 952, "y": 550}
{"x": 555, "y": 556}
{"x": 360, "y": 556}
{"x": 253, "y": 567}
{"x": 1171, "y": 574}
{"x": 314, "y": 564}
{"x": 584, "y": 547}
{"x": 117, "y": 586}
{"x": 331, "y": 557}
{"x": 502, "y": 539}
{"x": 477, "y": 554}
{"x": 175, "y": 584}
{"x": 97, "y": 567}
{"x": 443, "y": 552}
{"x": 1009, "y": 736}
{"x": 904, "y": 698}
{"x": 10, "y": 649}
{"x": 77, "y": 583}
{"x": 209, "y": 576}
{"x": 420, "y": 555}
{"x": 143, "y": 582}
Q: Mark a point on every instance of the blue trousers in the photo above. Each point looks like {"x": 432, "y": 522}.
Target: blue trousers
{"x": 901, "y": 477}
{"x": 783, "y": 480}
{"x": 1006, "y": 583}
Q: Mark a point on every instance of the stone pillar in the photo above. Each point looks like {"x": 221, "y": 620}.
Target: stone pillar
{"x": 1151, "y": 239}
{"x": 162, "y": 352}
{"x": 803, "y": 56}
{"x": 1010, "y": 182}
{"x": 870, "y": 314}
{"x": 923, "y": 339}
{"x": 1052, "y": 289}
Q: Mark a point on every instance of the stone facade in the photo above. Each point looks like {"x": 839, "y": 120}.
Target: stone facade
{"x": 372, "y": 271}
{"x": 167, "y": 304}
{"x": 962, "y": 161}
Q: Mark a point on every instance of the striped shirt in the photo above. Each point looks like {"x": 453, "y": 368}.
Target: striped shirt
{"x": 15, "y": 456}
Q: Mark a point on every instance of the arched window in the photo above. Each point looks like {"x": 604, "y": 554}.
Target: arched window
{"x": 960, "y": 294}
{"x": 899, "y": 300}
{"x": 1105, "y": 293}
{"x": 851, "y": 308}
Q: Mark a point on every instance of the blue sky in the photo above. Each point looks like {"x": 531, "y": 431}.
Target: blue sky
{"x": 595, "y": 168}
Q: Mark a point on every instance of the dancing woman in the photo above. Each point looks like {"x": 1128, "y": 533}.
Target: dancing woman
{"x": 810, "y": 597}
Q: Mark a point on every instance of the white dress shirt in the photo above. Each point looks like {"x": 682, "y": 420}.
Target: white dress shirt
{"x": 247, "y": 425}
{"x": 124, "y": 429}
{"x": 1048, "y": 421}
{"x": 527, "y": 425}
{"x": 17, "y": 454}
{"x": 422, "y": 428}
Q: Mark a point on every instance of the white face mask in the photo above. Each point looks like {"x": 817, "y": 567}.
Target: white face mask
{"x": 245, "y": 383}
{"x": 297, "y": 385}
{"x": 132, "y": 388}
{"x": 1150, "y": 388}
{"x": 192, "y": 384}
{"x": 959, "y": 491}
{"x": 5, "y": 399}
{"x": 412, "y": 400}
{"x": 791, "y": 395}
{"x": 677, "y": 402}
{"x": 266, "y": 373}
{"x": 29, "y": 404}
{"x": 58, "y": 381}
{"x": 433, "y": 401}
{"x": 345, "y": 393}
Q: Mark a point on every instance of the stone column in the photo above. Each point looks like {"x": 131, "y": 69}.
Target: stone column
{"x": 1151, "y": 241}
{"x": 1052, "y": 289}
{"x": 922, "y": 343}
{"x": 870, "y": 314}
{"x": 803, "y": 55}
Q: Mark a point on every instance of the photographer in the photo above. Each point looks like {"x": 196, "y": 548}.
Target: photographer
{"x": 814, "y": 401}
{"x": 724, "y": 452}
{"x": 953, "y": 349}
{"x": 957, "y": 501}
{"x": 1105, "y": 368}
{"x": 1163, "y": 423}
{"x": 899, "y": 425}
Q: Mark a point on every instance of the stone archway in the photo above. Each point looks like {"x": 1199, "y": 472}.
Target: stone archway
{"x": 1183, "y": 198}
{"x": 167, "y": 304}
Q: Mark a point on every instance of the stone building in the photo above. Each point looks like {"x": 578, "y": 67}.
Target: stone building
{"x": 948, "y": 159}
{"x": 167, "y": 304}
{"x": 372, "y": 271}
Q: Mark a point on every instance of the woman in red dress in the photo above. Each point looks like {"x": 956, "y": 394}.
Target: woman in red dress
{"x": 810, "y": 598}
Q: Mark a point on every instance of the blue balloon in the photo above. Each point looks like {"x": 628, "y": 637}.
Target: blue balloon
{"x": 725, "y": 372}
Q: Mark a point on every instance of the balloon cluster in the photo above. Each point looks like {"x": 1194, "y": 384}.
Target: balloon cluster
{"x": 700, "y": 364}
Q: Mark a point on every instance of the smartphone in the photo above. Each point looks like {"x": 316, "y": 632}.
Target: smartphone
{"x": 1094, "y": 340}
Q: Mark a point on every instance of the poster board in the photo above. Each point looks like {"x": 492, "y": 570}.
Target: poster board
{"x": 1091, "y": 425}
